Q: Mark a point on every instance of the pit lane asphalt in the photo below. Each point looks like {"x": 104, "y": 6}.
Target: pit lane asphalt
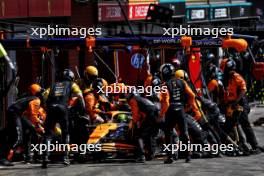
{"x": 242, "y": 166}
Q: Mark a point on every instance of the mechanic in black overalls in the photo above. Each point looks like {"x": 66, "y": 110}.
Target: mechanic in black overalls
{"x": 172, "y": 107}
{"x": 14, "y": 130}
{"x": 144, "y": 115}
{"x": 57, "y": 112}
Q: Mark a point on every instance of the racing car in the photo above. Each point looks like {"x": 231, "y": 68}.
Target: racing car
{"x": 114, "y": 136}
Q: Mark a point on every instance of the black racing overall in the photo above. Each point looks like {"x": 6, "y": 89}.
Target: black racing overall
{"x": 147, "y": 130}
{"x": 175, "y": 115}
{"x": 57, "y": 112}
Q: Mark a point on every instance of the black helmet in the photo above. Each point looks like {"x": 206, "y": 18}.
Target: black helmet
{"x": 236, "y": 57}
{"x": 176, "y": 63}
{"x": 230, "y": 65}
{"x": 210, "y": 56}
{"x": 156, "y": 81}
{"x": 167, "y": 71}
{"x": 211, "y": 71}
{"x": 97, "y": 84}
{"x": 245, "y": 55}
{"x": 67, "y": 74}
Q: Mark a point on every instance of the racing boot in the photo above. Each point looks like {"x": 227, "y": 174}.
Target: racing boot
{"x": 245, "y": 149}
{"x": 45, "y": 156}
{"x": 255, "y": 151}
{"x": 27, "y": 156}
{"x": 141, "y": 157}
{"x": 188, "y": 159}
{"x": 4, "y": 155}
{"x": 150, "y": 157}
{"x": 168, "y": 160}
{"x": 150, "y": 146}
{"x": 5, "y": 162}
{"x": 36, "y": 157}
{"x": 188, "y": 156}
{"x": 45, "y": 162}
{"x": 66, "y": 160}
{"x": 261, "y": 148}
{"x": 171, "y": 156}
{"x": 175, "y": 156}
{"x": 28, "y": 160}
{"x": 207, "y": 155}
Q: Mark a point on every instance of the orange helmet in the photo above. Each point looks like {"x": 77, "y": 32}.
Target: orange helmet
{"x": 91, "y": 71}
{"x": 34, "y": 89}
{"x": 181, "y": 74}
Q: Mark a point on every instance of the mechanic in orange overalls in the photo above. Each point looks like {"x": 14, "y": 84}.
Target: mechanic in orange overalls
{"x": 15, "y": 122}
{"x": 33, "y": 128}
{"x": 236, "y": 95}
{"x": 90, "y": 75}
{"x": 144, "y": 116}
{"x": 181, "y": 74}
{"x": 93, "y": 99}
{"x": 215, "y": 85}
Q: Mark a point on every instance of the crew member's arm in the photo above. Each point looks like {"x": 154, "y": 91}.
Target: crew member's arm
{"x": 34, "y": 107}
{"x": 164, "y": 101}
{"x": 97, "y": 109}
{"x": 77, "y": 91}
{"x": 212, "y": 85}
{"x": 42, "y": 115}
{"x": 191, "y": 101}
{"x": 135, "y": 110}
{"x": 45, "y": 95}
{"x": 242, "y": 87}
{"x": 106, "y": 104}
{"x": 148, "y": 80}
{"x": 89, "y": 103}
